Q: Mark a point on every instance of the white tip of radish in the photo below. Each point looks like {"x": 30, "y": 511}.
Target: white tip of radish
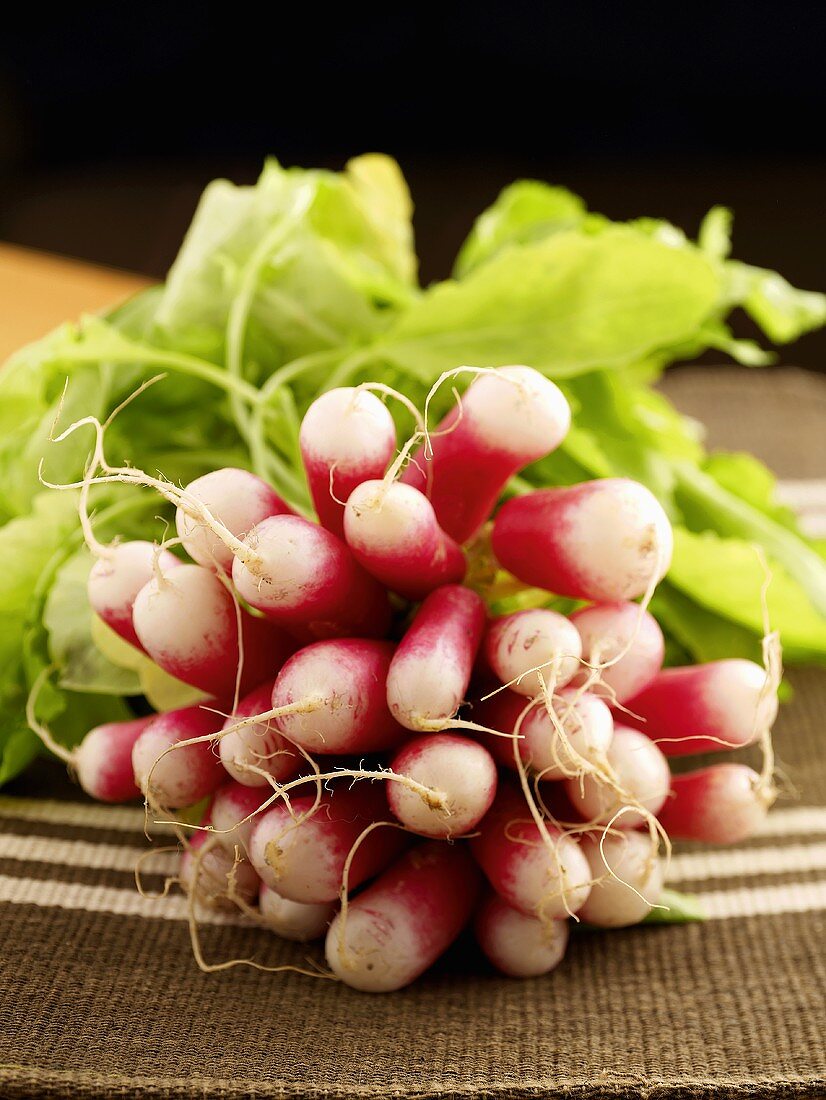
{"x": 609, "y": 629}
{"x": 219, "y": 875}
{"x": 253, "y": 752}
{"x": 525, "y": 640}
{"x": 735, "y": 693}
{"x": 588, "y": 728}
{"x": 387, "y": 517}
{"x": 625, "y": 864}
{"x": 231, "y": 804}
{"x": 294, "y": 920}
{"x": 236, "y": 498}
{"x": 720, "y": 804}
{"x": 518, "y": 945}
{"x": 103, "y": 760}
{"x": 349, "y": 427}
{"x": 642, "y": 776}
{"x": 460, "y": 771}
{"x": 517, "y": 411}
{"x": 116, "y": 580}
{"x": 181, "y": 776}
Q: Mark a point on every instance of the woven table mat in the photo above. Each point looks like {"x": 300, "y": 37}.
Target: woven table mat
{"x": 99, "y": 994}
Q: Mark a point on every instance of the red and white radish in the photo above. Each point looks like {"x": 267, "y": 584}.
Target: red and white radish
{"x": 721, "y": 804}
{"x": 181, "y": 776}
{"x": 587, "y": 726}
{"x": 188, "y": 624}
{"x": 628, "y": 878}
{"x": 393, "y": 532}
{"x": 400, "y": 925}
{"x": 601, "y": 540}
{"x": 305, "y": 579}
{"x": 462, "y": 771}
{"x": 231, "y": 804}
{"x": 293, "y": 920}
{"x": 507, "y": 419}
{"x": 432, "y": 665}
{"x": 347, "y": 436}
{"x": 116, "y": 579}
{"x": 342, "y": 683}
{"x": 305, "y": 860}
{"x": 216, "y": 875}
{"x": 251, "y": 753}
{"x": 610, "y": 629}
{"x": 642, "y": 778}
{"x": 237, "y": 499}
{"x": 103, "y": 760}
{"x": 516, "y": 644}
{"x": 705, "y": 708}
{"x": 518, "y": 945}
{"x": 545, "y": 876}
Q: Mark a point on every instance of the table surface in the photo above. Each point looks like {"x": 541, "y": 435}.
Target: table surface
{"x": 99, "y": 994}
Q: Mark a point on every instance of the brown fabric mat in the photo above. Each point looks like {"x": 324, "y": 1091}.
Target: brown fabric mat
{"x": 99, "y": 995}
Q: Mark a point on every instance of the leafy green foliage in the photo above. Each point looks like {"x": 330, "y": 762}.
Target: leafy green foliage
{"x": 308, "y": 280}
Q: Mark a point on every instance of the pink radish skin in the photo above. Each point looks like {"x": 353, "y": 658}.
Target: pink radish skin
{"x": 601, "y": 540}
{"x": 403, "y": 922}
{"x": 506, "y": 420}
{"x": 309, "y": 582}
{"x": 463, "y": 771}
{"x": 350, "y": 432}
{"x": 116, "y": 580}
{"x": 260, "y": 745}
{"x": 515, "y": 644}
{"x": 236, "y": 498}
{"x": 345, "y": 680}
{"x": 642, "y": 772}
{"x": 231, "y": 804}
{"x": 187, "y": 623}
{"x": 293, "y": 920}
{"x": 212, "y": 887}
{"x": 586, "y": 720}
{"x": 103, "y": 760}
{"x": 393, "y": 532}
{"x": 705, "y": 708}
{"x": 612, "y": 903}
{"x": 431, "y": 668}
{"x": 518, "y": 945}
{"x": 606, "y": 629}
{"x": 521, "y": 868}
{"x": 186, "y": 775}
{"x": 721, "y": 804}
{"x": 306, "y": 862}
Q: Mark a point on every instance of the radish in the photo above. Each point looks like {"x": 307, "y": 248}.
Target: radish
{"x": 518, "y": 945}
{"x": 253, "y": 752}
{"x": 342, "y": 683}
{"x": 293, "y": 920}
{"x": 216, "y": 875}
{"x": 347, "y": 436}
{"x": 601, "y": 540}
{"x": 400, "y": 925}
{"x": 642, "y": 779}
{"x": 188, "y": 624}
{"x": 610, "y": 629}
{"x": 181, "y": 776}
{"x": 231, "y": 804}
{"x": 544, "y": 878}
{"x": 705, "y": 708}
{"x": 238, "y": 500}
{"x": 515, "y": 644}
{"x": 507, "y": 419}
{"x": 586, "y": 722}
{"x": 116, "y": 579}
{"x": 462, "y": 771}
{"x": 305, "y": 579}
{"x": 103, "y": 760}
{"x": 721, "y": 804}
{"x": 304, "y": 860}
{"x": 432, "y": 666}
{"x": 392, "y": 531}
{"x": 627, "y": 862}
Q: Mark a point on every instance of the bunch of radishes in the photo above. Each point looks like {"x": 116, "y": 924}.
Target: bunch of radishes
{"x": 368, "y": 700}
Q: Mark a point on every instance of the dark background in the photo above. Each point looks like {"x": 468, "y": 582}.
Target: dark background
{"x": 113, "y": 116}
